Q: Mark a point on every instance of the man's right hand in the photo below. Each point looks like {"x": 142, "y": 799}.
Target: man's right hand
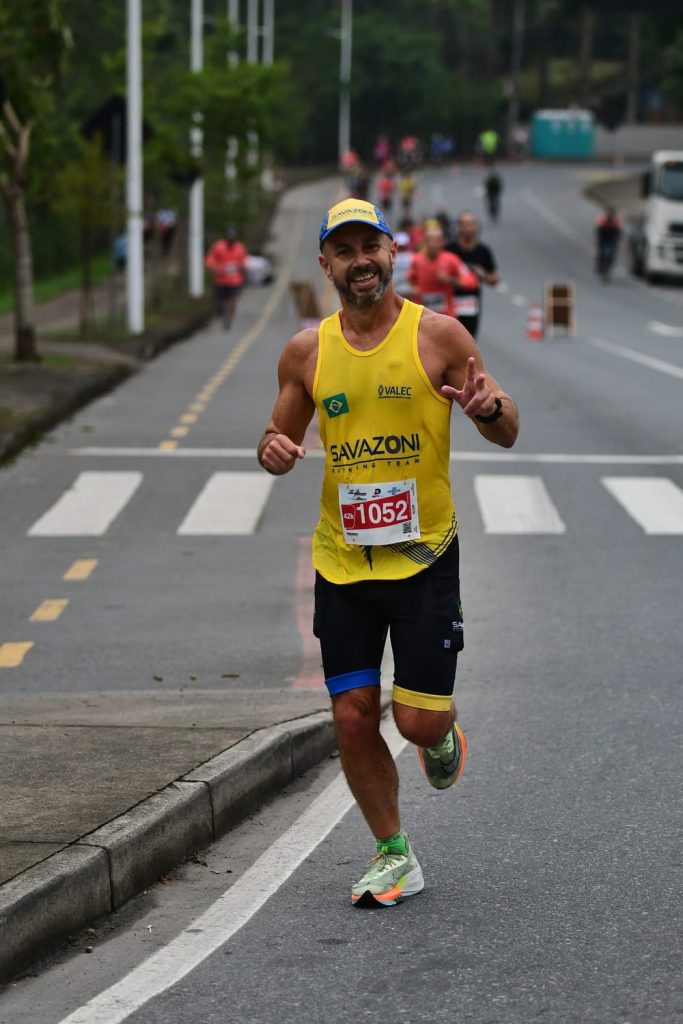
{"x": 278, "y": 454}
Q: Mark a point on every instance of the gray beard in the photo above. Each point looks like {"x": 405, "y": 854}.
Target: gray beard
{"x": 370, "y": 298}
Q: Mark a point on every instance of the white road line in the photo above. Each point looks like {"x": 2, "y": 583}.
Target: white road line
{"x": 228, "y": 504}
{"x": 518, "y": 300}
{"x": 655, "y": 503}
{"x": 502, "y": 287}
{"x": 231, "y": 911}
{"x": 666, "y": 330}
{"x": 637, "y": 357}
{"x": 516, "y": 504}
{"x": 554, "y": 458}
{"x": 89, "y": 507}
{"x": 552, "y": 218}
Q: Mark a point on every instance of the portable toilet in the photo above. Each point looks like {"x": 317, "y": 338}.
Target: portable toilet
{"x": 563, "y": 134}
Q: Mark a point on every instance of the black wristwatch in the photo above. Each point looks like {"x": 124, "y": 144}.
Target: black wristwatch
{"x": 495, "y": 415}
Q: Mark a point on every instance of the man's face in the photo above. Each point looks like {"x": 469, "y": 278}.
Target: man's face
{"x": 468, "y": 227}
{"x": 434, "y": 242}
{"x": 359, "y": 260}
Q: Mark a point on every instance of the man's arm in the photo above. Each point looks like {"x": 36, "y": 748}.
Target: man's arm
{"x": 280, "y": 446}
{"x": 466, "y": 382}
{"x": 488, "y": 271}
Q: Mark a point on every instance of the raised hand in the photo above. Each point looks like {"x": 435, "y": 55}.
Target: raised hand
{"x": 475, "y": 398}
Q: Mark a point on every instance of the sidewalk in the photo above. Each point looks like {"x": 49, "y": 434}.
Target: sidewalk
{"x": 127, "y": 785}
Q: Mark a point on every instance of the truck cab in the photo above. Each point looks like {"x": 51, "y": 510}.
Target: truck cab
{"x": 656, "y": 239}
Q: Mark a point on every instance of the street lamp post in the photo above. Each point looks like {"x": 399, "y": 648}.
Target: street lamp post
{"x": 135, "y": 271}
{"x": 346, "y": 40}
{"x": 196, "y": 231}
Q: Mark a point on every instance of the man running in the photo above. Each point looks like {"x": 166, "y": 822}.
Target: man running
{"x": 226, "y": 259}
{"x": 435, "y": 274}
{"x": 480, "y": 260}
{"x": 383, "y": 374}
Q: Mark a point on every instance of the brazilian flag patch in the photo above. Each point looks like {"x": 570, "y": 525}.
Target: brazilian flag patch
{"x": 336, "y": 405}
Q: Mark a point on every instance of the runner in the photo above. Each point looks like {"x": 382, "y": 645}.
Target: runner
{"x": 480, "y": 260}
{"x": 382, "y": 374}
{"x": 435, "y": 274}
{"x": 226, "y": 259}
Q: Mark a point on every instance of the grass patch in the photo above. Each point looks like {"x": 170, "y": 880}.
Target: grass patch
{"x": 67, "y": 281}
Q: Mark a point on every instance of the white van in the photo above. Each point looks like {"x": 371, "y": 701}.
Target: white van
{"x": 656, "y": 239}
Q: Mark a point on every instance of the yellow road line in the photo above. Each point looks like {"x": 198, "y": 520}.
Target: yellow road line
{"x": 188, "y": 417}
{"x": 49, "y": 610}
{"x": 12, "y": 655}
{"x": 229, "y": 364}
{"x": 179, "y": 431}
{"x": 81, "y": 569}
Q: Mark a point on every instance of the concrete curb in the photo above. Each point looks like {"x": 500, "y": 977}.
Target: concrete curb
{"x": 61, "y": 408}
{"x": 100, "y": 871}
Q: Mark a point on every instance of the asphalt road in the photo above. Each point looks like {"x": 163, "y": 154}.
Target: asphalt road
{"x": 552, "y": 891}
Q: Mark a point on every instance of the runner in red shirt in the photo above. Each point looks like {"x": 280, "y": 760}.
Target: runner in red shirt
{"x": 226, "y": 260}
{"x": 436, "y": 274}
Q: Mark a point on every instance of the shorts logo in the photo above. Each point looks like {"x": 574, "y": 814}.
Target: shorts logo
{"x": 394, "y": 391}
{"x": 336, "y": 405}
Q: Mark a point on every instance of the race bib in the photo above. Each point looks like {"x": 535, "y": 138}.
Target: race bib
{"x": 466, "y": 305}
{"x": 436, "y": 301}
{"x": 230, "y": 268}
{"x": 379, "y": 513}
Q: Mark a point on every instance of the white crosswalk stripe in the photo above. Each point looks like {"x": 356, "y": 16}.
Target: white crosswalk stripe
{"x": 516, "y": 504}
{"x": 229, "y": 504}
{"x": 655, "y": 502}
{"x": 89, "y": 507}
{"x": 232, "y": 503}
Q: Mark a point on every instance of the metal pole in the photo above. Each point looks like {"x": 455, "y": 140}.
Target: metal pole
{"x": 345, "y": 77}
{"x": 515, "y": 65}
{"x": 252, "y": 58}
{"x": 234, "y": 19}
{"x": 196, "y": 232}
{"x": 268, "y": 31}
{"x": 135, "y": 269}
{"x": 252, "y": 32}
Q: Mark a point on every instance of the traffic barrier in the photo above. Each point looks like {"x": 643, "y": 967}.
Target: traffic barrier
{"x": 559, "y": 305}
{"x": 306, "y": 302}
{"x": 534, "y": 324}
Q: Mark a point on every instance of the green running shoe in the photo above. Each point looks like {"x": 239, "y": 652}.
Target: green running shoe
{"x": 388, "y": 878}
{"x": 444, "y": 763}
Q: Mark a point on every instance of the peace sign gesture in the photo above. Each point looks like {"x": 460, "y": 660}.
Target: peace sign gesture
{"x": 475, "y": 398}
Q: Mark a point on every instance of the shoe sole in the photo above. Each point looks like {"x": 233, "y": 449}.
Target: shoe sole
{"x": 463, "y": 758}
{"x": 410, "y": 885}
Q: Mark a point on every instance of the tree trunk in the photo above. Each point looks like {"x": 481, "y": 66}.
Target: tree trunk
{"x": 543, "y": 55}
{"x": 24, "y": 326}
{"x": 585, "y": 57}
{"x": 633, "y": 69}
{"x": 86, "y": 310}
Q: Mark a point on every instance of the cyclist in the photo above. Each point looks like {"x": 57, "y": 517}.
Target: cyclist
{"x": 607, "y": 235}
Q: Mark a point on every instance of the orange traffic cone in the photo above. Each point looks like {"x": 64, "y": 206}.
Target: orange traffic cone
{"x": 534, "y": 324}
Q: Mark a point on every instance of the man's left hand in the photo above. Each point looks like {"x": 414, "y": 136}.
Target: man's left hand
{"x": 475, "y": 398}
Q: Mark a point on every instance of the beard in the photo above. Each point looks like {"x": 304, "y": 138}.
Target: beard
{"x": 367, "y": 299}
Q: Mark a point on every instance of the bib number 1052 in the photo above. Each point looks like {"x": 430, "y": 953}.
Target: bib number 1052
{"x": 379, "y": 514}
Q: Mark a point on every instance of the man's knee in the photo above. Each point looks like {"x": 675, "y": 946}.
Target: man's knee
{"x": 421, "y": 726}
{"x": 356, "y": 716}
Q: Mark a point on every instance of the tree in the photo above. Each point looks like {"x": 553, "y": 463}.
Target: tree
{"x": 34, "y": 43}
{"x": 83, "y": 191}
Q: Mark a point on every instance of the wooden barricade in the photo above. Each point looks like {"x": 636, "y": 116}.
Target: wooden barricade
{"x": 559, "y": 308}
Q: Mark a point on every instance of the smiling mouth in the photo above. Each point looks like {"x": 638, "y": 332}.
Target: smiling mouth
{"x": 364, "y": 278}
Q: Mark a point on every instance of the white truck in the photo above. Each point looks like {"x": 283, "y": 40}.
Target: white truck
{"x": 656, "y": 237}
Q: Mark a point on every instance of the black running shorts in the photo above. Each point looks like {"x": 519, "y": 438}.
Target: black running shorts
{"x": 423, "y": 617}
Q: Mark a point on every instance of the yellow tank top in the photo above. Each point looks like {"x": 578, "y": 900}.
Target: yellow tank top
{"x": 386, "y": 435}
